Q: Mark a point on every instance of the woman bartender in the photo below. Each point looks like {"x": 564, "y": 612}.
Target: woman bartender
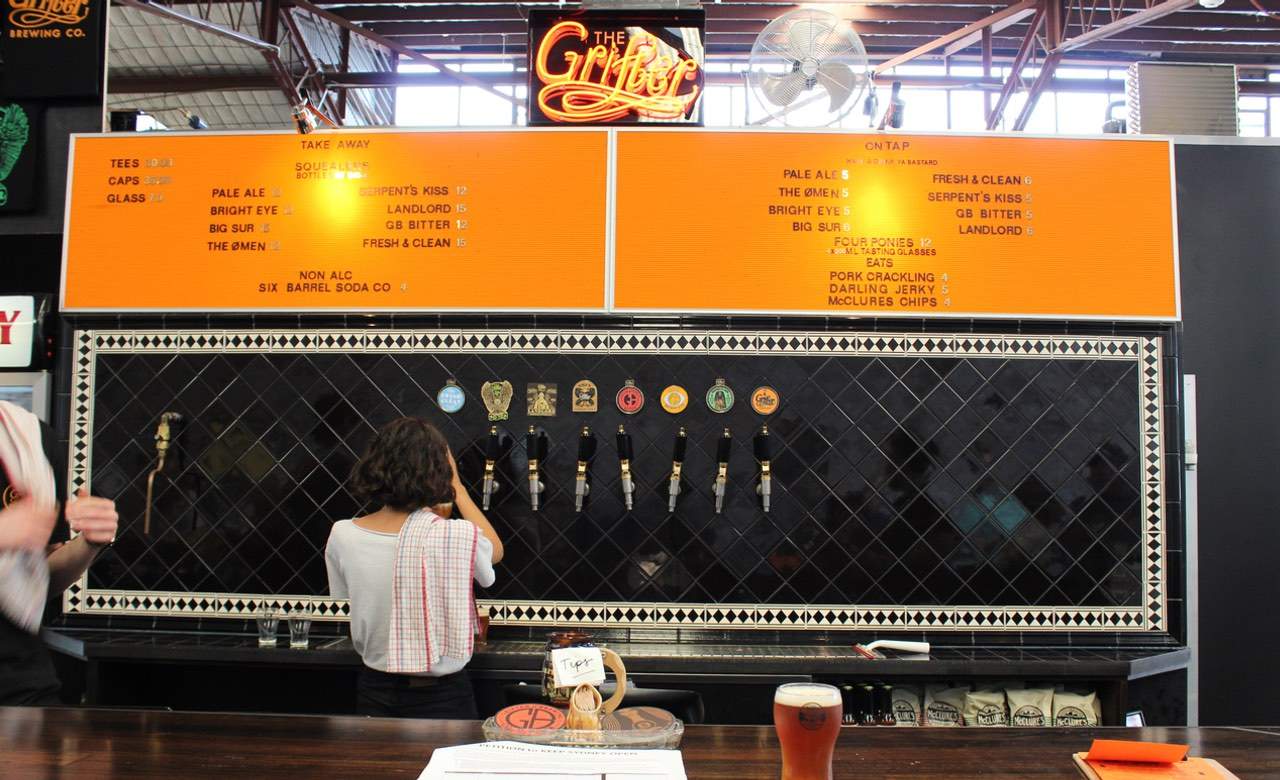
{"x": 409, "y": 474}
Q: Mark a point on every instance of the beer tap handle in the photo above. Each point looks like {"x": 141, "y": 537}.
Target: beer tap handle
{"x": 677, "y": 465}
{"x": 492, "y": 450}
{"x": 764, "y": 454}
{"x": 586, "y": 449}
{"x": 723, "y": 448}
{"x": 535, "y": 445}
{"x": 624, "y": 459}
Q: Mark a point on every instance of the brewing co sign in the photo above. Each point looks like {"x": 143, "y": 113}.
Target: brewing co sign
{"x": 52, "y": 48}
{"x": 615, "y": 67}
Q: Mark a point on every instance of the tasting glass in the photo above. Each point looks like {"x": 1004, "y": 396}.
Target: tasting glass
{"x": 268, "y": 622}
{"x": 807, "y": 718}
{"x": 300, "y": 625}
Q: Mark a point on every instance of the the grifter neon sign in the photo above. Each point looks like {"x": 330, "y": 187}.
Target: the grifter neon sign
{"x": 613, "y": 75}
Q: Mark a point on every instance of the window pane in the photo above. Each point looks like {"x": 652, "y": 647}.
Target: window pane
{"x": 1253, "y": 103}
{"x": 926, "y": 109}
{"x": 1081, "y": 113}
{"x": 427, "y": 106}
{"x": 483, "y": 109}
{"x": 968, "y": 110}
{"x": 1253, "y": 123}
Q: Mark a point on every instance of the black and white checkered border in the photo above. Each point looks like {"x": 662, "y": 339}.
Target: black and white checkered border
{"x": 1143, "y": 350}
{"x": 619, "y": 342}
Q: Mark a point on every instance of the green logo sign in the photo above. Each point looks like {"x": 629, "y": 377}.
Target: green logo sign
{"x": 14, "y": 135}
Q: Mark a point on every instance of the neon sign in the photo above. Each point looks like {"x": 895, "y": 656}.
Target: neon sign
{"x": 604, "y": 67}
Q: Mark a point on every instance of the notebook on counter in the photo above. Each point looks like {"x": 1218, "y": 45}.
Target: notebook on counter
{"x": 1113, "y": 759}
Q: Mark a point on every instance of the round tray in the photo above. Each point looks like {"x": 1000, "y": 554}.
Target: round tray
{"x": 667, "y": 738}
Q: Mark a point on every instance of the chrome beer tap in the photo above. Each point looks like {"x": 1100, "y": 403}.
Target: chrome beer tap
{"x": 677, "y": 465}
{"x": 492, "y": 449}
{"x": 586, "y": 449}
{"x": 624, "y": 462}
{"x": 723, "y": 447}
{"x": 536, "y": 446}
{"x": 764, "y": 454}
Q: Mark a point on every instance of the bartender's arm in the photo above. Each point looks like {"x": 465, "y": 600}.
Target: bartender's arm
{"x": 469, "y": 511}
{"x": 95, "y": 520}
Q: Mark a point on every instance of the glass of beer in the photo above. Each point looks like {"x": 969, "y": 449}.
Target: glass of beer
{"x": 807, "y": 717}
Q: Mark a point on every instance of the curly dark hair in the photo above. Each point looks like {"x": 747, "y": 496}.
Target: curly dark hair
{"x": 406, "y": 467}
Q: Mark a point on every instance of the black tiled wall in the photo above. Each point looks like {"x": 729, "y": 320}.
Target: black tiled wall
{"x": 975, "y": 481}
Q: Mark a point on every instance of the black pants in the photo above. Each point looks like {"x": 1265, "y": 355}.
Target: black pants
{"x": 404, "y": 696}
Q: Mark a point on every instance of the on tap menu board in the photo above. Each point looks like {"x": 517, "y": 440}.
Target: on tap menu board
{"x": 887, "y": 224}
{"x": 345, "y": 221}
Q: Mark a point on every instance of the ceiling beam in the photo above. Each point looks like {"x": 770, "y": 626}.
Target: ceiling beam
{"x": 387, "y": 79}
{"x": 1102, "y": 32}
{"x": 1002, "y": 18}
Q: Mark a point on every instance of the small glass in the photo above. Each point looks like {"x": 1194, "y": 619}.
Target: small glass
{"x": 300, "y": 626}
{"x": 268, "y": 623}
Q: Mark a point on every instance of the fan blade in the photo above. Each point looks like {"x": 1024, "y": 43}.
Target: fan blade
{"x": 839, "y": 80}
{"x": 783, "y": 90}
{"x": 803, "y": 37}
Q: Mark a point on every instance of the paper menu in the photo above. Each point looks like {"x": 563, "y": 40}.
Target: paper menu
{"x": 519, "y": 761}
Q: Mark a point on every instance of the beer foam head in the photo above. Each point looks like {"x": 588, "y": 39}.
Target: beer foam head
{"x": 802, "y": 694}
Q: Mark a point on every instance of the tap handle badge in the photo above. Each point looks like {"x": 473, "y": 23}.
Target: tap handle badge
{"x": 724, "y": 446}
{"x": 763, "y": 445}
{"x": 624, "y": 444}
{"x": 682, "y": 445}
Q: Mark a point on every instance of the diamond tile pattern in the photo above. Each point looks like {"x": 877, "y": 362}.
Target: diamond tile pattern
{"x": 953, "y": 479}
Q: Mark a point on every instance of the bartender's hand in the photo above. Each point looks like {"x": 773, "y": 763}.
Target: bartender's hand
{"x": 26, "y": 525}
{"x": 453, "y": 467}
{"x": 93, "y": 518}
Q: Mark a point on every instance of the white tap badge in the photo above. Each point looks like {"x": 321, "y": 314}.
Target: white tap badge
{"x": 17, "y": 330}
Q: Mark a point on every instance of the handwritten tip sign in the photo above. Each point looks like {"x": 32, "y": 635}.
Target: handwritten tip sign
{"x": 573, "y": 666}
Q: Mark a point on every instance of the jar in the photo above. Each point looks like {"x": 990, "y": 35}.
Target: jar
{"x": 559, "y": 697}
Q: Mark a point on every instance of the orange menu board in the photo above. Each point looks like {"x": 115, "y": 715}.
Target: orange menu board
{"x": 889, "y": 224}
{"x": 354, "y": 221}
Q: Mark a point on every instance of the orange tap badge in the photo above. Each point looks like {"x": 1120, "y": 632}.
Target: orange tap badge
{"x": 597, "y": 67}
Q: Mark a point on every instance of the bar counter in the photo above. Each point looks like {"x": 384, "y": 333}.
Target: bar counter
{"x": 100, "y": 743}
{"x": 644, "y": 657}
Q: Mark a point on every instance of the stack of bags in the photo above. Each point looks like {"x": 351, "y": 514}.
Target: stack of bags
{"x": 1005, "y": 704}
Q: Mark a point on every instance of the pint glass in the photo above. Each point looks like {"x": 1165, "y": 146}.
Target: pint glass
{"x": 807, "y": 717}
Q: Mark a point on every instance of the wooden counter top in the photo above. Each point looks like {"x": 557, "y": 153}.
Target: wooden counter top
{"x": 86, "y": 743}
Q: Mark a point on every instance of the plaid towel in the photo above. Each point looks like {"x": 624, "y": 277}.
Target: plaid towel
{"x": 433, "y": 609}
{"x": 24, "y": 574}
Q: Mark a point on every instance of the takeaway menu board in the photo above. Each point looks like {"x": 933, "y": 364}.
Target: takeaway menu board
{"x": 354, "y": 221}
{"x": 889, "y": 224}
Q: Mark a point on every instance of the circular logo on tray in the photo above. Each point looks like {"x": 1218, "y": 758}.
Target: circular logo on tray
{"x": 524, "y": 718}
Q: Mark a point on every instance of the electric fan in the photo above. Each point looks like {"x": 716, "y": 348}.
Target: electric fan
{"x": 806, "y": 57}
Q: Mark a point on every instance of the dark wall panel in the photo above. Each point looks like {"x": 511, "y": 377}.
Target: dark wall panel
{"x": 1228, "y": 202}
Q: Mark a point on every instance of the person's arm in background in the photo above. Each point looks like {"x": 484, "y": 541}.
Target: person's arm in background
{"x": 24, "y": 525}
{"x": 96, "y": 521}
{"x": 469, "y": 511}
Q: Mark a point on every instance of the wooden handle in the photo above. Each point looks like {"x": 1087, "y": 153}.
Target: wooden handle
{"x": 614, "y": 662}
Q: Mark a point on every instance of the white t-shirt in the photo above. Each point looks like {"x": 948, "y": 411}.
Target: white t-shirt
{"x": 361, "y": 563}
